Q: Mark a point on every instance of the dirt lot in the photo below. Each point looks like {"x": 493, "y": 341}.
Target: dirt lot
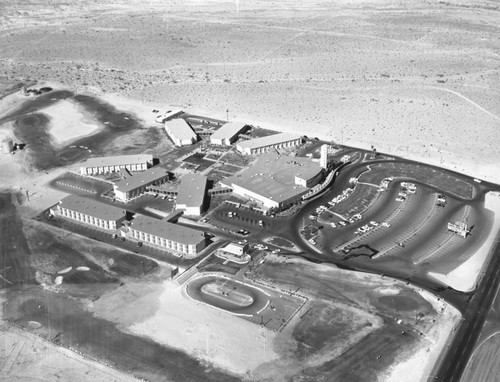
{"x": 22, "y": 352}
{"x": 337, "y": 316}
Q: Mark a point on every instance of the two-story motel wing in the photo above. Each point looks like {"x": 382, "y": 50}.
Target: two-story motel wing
{"x": 265, "y": 144}
{"x": 91, "y": 212}
{"x": 227, "y": 134}
{"x": 103, "y": 165}
{"x": 136, "y": 185}
{"x": 167, "y": 235}
{"x": 180, "y": 132}
{"x": 191, "y": 194}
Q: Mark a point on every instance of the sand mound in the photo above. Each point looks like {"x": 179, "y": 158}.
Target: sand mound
{"x": 69, "y": 122}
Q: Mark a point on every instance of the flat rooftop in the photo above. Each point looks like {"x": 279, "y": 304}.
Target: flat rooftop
{"x": 273, "y": 176}
{"x": 163, "y": 228}
{"x": 191, "y": 191}
{"x": 228, "y": 130}
{"x": 180, "y": 129}
{"x": 120, "y": 160}
{"x": 268, "y": 141}
{"x": 92, "y": 207}
{"x": 141, "y": 178}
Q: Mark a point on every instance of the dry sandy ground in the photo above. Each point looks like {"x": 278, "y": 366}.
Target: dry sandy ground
{"x": 421, "y": 361}
{"x": 166, "y": 314}
{"x": 414, "y": 78}
{"x": 22, "y": 353}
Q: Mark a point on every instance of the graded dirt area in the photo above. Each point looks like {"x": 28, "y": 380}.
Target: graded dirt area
{"x": 394, "y": 307}
{"x": 347, "y": 322}
{"x": 22, "y": 352}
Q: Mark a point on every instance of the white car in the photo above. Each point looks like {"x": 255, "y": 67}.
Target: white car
{"x": 385, "y": 224}
{"x": 374, "y": 223}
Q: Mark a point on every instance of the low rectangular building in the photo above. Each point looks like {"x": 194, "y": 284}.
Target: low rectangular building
{"x": 180, "y": 132}
{"x": 228, "y": 133}
{"x": 103, "y": 165}
{"x": 91, "y": 212}
{"x": 137, "y": 184}
{"x": 265, "y": 144}
{"x": 237, "y": 249}
{"x": 191, "y": 194}
{"x": 167, "y": 235}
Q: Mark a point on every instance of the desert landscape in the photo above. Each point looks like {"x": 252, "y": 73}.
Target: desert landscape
{"x": 419, "y": 80}
{"x": 426, "y": 71}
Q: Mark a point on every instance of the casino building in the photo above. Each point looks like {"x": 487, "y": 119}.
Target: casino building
{"x": 276, "y": 181}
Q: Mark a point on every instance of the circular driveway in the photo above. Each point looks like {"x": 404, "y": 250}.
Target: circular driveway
{"x": 227, "y": 294}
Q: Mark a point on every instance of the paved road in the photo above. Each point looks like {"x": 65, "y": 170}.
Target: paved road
{"x": 453, "y": 362}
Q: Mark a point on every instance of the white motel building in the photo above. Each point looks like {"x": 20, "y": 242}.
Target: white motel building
{"x": 104, "y": 165}
{"x": 90, "y": 212}
{"x": 167, "y": 235}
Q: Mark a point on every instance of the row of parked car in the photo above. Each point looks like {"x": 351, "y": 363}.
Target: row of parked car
{"x": 405, "y": 189}
{"x": 351, "y": 220}
{"x": 322, "y": 208}
{"x": 344, "y": 195}
{"x": 369, "y": 227}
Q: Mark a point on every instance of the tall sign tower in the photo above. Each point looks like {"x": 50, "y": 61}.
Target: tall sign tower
{"x": 323, "y": 160}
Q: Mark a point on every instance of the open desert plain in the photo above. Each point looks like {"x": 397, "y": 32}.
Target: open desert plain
{"x": 347, "y": 230}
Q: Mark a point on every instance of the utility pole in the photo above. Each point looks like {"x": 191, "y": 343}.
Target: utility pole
{"x": 227, "y": 115}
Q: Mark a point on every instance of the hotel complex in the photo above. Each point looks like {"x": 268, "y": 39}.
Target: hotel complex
{"x": 265, "y": 144}
{"x": 90, "y": 212}
{"x": 167, "y": 235}
{"x": 103, "y": 165}
{"x": 180, "y": 132}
